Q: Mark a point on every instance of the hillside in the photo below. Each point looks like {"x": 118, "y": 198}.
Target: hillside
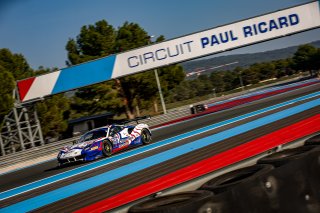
{"x": 243, "y": 60}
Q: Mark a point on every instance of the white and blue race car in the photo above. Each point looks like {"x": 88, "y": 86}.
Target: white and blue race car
{"x": 104, "y": 141}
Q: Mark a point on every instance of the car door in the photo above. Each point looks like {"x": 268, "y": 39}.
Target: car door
{"x": 124, "y": 135}
{"x": 114, "y": 136}
{"x": 118, "y": 136}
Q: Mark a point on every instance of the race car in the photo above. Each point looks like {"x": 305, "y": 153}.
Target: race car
{"x": 104, "y": 141}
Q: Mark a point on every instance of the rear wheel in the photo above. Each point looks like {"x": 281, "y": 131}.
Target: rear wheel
{"x": 229, "y": 180}
{"x": 193, "y": 202}
{"x": 107, "y": 148}
{"x": 280, "y": 158}
{"x": 145, "y": 136}
{"x": 315, "y": 140}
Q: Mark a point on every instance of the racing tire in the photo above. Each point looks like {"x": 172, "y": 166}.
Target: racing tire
{"x": 107, "y": 148}
{"x": 145, "y": 136}
{"x": 229, "y": 180}
{"x": 278, "y": 159}
{"x": 192, "y": 201}
{"x": 315, "y": 140}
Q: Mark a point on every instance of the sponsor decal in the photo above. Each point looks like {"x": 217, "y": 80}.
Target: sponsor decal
{"x": 94, "y": 148}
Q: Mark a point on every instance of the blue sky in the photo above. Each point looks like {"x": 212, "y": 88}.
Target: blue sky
{"x": 39, "y": 29}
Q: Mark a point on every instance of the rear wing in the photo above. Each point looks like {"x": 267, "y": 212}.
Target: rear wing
{"x": 137, "y": 119}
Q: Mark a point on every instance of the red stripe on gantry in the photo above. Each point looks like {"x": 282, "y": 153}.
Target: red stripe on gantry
{"x": 24, "y": 87}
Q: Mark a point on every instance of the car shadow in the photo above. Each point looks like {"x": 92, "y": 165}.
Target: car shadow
{"x": 66, "y": 166}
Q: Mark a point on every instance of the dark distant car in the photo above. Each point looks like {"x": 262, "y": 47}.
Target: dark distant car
{"x": 105, "y": 141}
{"x": 198, "y": 108}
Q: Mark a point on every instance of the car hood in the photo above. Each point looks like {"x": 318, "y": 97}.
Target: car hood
{"x": 81, "y": 145}
{"x": 78, "y": 146}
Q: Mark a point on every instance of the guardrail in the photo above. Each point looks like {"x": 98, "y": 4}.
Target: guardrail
{"x": 38, "y": 152}
{"x": 34, "y": 153}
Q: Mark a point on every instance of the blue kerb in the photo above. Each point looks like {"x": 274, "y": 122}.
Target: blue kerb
{"x": 85, "y": 168}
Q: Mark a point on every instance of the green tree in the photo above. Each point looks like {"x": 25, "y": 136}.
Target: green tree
{"x": 12, "y": 67}
{"x": 100, "y": 40}
{"x": 283, "y": 67}
{"x": 74, "y": 56}
{"x": 53, "y": 115}
{"x": 96, "y": 99}
{"x": 16, "y": 64}
{"x": 303, "y": 58}
{"x": 54, "y": 111}
{"x": 42, "y": 70}
{"x": 197, "y": 86}
{"x": 239, "y": 78}
{"x": 133, "y": 90}
{"x": 267, "y": 71}
{"x": 7, "y": 85}
{"x": 315, "y": 60}
{"x": 51, "y": 112}
{"x": 217, "y": 81}
{"x": 94, "y": 41}
{"x": 207, "y": 85}
{"x": 130, "y": 36}
{"x": 142, "y": 87}
{"x": 250, "y": 76}
{"x": 229, "y": 78}
{"x": 183, "y": 91}
{"x": 169, "y": 76}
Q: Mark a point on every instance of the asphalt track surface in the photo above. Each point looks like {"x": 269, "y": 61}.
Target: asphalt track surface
{"x": 30, "y": 174}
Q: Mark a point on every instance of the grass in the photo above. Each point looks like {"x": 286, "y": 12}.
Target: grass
{"x": 211, "y": 96}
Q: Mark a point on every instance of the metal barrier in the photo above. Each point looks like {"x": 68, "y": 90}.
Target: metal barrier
{"x": 34, "y": 153}
{"x": 38, "y": 152}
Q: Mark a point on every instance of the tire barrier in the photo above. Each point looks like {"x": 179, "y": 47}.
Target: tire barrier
{"x": 186, "y": 202}
{"x": 290, "y": 185}
{"x": 294, "y": 185}
{"x": 283, "y": 182}
{"x": 315, "y": 140}
{"x": 229, "y": 180}
{"x": 280, "y": 158}
{"x": 243, "y": 190}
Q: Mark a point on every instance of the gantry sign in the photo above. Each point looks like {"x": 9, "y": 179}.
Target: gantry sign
{"x": 250, "y": 31}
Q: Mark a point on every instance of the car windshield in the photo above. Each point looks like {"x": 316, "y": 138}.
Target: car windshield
{"x": 92, "y": 135}
{"x": 114, "y": 130}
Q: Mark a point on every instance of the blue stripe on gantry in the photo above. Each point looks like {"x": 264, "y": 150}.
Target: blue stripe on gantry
{"x": 85, "y": 74}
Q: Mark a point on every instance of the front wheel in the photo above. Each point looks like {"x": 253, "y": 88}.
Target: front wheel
{"x": 145, "y": 136}
{"x": 107, "y": 148}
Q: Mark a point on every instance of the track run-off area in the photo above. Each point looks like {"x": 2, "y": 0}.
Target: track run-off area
{"x": 88, "y": 186}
